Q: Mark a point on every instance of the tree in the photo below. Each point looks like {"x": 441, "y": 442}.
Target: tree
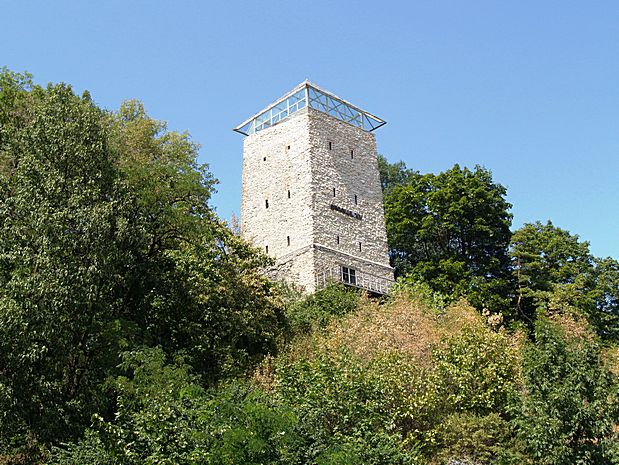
{"x": 605, "y": 295}
{"x": 553, "y": 270}
{"x": 568, "y": 409}
{"x": 393, "y": 174}
{"x": 187, "y": 258}
{"x": 451, "y": 230}
{"x": 107, "y": 242}
{"x": 63, "y": 236}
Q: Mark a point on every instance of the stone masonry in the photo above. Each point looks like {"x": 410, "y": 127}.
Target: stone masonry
{"x": 312, "y": 200}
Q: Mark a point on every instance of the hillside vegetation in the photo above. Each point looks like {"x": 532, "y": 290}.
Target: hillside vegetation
{"x": 137, "y": 328}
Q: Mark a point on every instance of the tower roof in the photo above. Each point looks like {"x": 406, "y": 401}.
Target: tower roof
{"x": 310, "y": 94}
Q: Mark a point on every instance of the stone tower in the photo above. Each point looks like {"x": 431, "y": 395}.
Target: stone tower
{"x": 312, "y": 197}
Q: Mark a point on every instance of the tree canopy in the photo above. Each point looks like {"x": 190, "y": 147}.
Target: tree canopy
{"x": 451, "y": 231}
{"x": 107, "y": 241}
{"x": 554, "y": 268}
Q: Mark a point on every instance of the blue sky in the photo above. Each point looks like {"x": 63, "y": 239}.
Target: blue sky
{"x": 528, "y": 89}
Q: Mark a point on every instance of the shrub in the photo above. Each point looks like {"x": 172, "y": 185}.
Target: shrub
{"x": 317, "y": 310}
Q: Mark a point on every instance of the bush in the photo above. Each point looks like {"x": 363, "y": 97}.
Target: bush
{"x": 164, "y": 417}
{"x": 317, "y": 310}
{"x": 469, "y": 438}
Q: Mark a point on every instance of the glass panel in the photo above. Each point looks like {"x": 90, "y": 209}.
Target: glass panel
{"x": 318, "y": 100}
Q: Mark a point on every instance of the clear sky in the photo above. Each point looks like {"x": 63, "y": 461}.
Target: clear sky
{"x": 529, "y": 88}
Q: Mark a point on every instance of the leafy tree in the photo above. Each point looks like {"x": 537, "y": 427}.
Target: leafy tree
{"x": 469, "y": 438}
{"x": 451, "y": 230}
{"x": 605, "y": 294}
{"x": 348, "y": 410}
{"x": 568, "y": 409}
{"x": 476, "y": 371}
{"x": 187, "y": 258}
{"x": 107, "y": 242}
{"x": 554, "y": 270}
{"x": 63, "y": 237}
{"x": 393, "y": 174}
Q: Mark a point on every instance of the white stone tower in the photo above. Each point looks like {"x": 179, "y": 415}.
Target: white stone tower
{"x": 311, "y": 191}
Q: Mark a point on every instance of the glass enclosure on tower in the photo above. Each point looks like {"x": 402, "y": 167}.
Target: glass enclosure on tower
{"x": 318, "y": 99}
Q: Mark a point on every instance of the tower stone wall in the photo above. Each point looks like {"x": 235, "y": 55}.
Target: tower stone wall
{"x": 312, "y": 200}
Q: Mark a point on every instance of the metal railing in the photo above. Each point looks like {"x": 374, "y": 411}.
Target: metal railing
{"x": 359, "y": 279}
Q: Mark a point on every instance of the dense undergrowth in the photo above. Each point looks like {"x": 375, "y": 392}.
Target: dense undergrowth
{"x": 397, "y": 382}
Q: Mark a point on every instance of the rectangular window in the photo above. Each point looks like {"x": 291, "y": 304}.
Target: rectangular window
{"x": 349, "y": 276}
{"x": 359, "y": 246}
{"x": 352, "y": 154}
{"x": 355, "y": 199}
{"x": 266, "y": 203}
{"x": 288, "y": 147}
{"x": 334, "y": 192}
{"x": 330, "y": 145}
{"x": 288, "y": 240}
{"x": 264, "y": 159}
{"x": 266, "y": 247}
{"x": 337, "y": 240}
{"x": 288, "y": 194}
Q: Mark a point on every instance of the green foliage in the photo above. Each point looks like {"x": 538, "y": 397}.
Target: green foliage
{"x": 423, "y": 292}
{"x": 107, "y": 242}
{"x": 546, "y": 256}
{"x": 164, "y": 417}
{"x": 343, "y": 400}
{"x": 347, "y": 410}
{"x": 90, "y": 450}
{"x": 62, "y": 239}
{"x": 244, "y": 426}
{"x": 605, "y": 295}
{"x": 451, "y": 231}
{"x": 554, "y": 270}
{"x": 373, "y": 449}
{"x": 393, "y": 174}
{"x": 568, "y": 410}
{"x": 469, "y": 438}
{"x": 316, "y": 310}
{"x": 476, "y": 371}
{"x": 130, "y": 315}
